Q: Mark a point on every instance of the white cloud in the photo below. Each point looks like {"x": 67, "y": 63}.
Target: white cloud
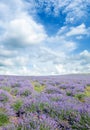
{"x": 6, "y": 62}
{"x": 7, "y": 53}
{"x": 62, "y": 43}
{"x": 25, "y": 30}
{"x": 60, "y": 68}
{"x": 75, "y": 64}
{"x": 17, "y": 25}
{"x": 85, "y": 53}
{"x": 79, "y": 30}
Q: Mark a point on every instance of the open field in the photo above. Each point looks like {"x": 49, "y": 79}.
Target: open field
{"x": 45, "y": 102}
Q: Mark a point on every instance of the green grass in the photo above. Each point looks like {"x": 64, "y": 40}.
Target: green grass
{"x": 87, "y": 91}
{"x": 42, "y": 106}
{"x": 4, "y": 98}
{"x": 3, "y": 119}
{"x": 2, "y": 109}
{"x": 14, "y": 91}
{"x": 19, "y": 128}
{"x": 42, "y": 127}
{"x": 80, "y": 97}
{"x": 83, "y": 123}
{"x": 31, "y": 108}
{"x": 55, "y": 99}
{"x": 17, "y": 105}
{"x": 38, "y": 87}
{"x": 34, "y": 107}
{"x": 26, "y": 93}
{"x": 8, "y": 89}
{"x": 69, "y": 93}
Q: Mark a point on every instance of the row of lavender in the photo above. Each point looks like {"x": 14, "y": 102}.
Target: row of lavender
{"x": 45, "y": 103}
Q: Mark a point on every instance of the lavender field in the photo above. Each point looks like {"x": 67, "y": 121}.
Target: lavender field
{"x": 45, "y": 103}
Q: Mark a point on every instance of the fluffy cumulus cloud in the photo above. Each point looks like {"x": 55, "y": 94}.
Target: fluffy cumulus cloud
{"x": 80, "y": 30}
{"x": 27, "y": 49}
{"x": 19, "y": 27}
{"x": 25, "y": 31}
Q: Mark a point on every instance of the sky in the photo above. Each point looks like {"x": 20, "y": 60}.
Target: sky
{"x": 44, "y": 37}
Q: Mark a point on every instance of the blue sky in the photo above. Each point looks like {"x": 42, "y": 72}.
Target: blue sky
{"x": 44, "y": 37}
